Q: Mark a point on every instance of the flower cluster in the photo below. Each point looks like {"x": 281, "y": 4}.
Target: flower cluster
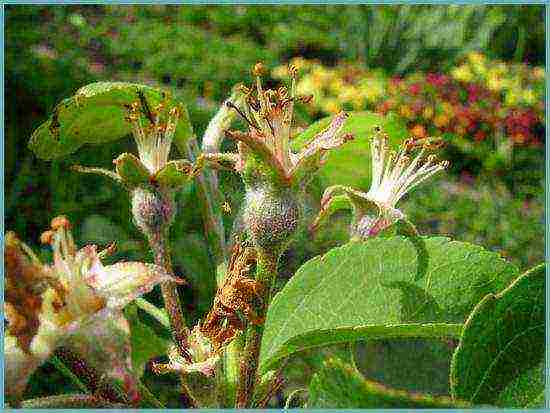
{"x": 48, "y": 305}
{"x": 273, "y": 174}
{"x": 479, "y": 100}
{"x": 394, "y": 174}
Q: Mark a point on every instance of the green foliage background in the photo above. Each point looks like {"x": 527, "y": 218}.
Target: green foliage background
{"x": 199, "y": 53}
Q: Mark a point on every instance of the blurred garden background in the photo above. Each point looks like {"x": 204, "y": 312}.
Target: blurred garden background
{"x": 472, "y": 74}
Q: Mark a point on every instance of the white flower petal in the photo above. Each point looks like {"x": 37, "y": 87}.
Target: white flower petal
{"x": 121, "y": 283}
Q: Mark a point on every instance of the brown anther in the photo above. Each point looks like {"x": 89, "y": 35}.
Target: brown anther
{"x": 259, "y": 69}
{"x": 348, "y": 137}
{"x": 292, "y": 71}
{"x": 404, "y": 160}
{"x": 109, "y": 250}
{"x": 243, "y": 89}
{"x": 175, "y": 111}
{"x": 283, "y": 92}
{"x": 47, "y": 237}
{"x": 160, "y": 368}
{"x": 306, "y": 99}
{"x": 60, "y": 222}
{"x": 431, "y": 159}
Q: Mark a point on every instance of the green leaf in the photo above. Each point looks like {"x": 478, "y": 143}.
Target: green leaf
{"x": 350, "y": 164}
{"x": 503, "y": 338}
{"x": 339, "y": 385}
{"x": 525, "y": 391}
{"x": 372, "y": 289}
{"x": 95, "y": 114}
{"x": 195, "y": 265}
{"x": 145, "y": 343}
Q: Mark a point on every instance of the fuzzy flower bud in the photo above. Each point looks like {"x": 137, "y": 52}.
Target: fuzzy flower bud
{"x": 274, "y": 176}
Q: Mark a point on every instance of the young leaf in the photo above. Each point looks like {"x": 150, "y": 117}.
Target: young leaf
{"x": 339, "y": 385}
{"x": 96, "y": 114}
{"x": 350, "y": 164}
{"x": 372, "y": 290}
{"x": 503, "y": 338}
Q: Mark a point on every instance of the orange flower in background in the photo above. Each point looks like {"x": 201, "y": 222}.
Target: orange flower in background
{"x": 418, "y": 131}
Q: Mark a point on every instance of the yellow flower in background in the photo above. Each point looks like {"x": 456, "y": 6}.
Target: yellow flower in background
{"x": 476, "y": 58}
{"x": 306, "y": 87}
{"x": 406, "y": 112}
{"x": 280, "y": 72}
{"x": 447, "y": 108}
{"x": 330, "y": 105}
{"x": 529, "y": 96}
{"x": 336, "y": 84}
{"x": 478, "y": 61}
{"x": 462, "y": 73}
{"x": 373, "y": 89}
{"x": 347, "y": 93}
{"x": 494, "y": 82}
{"x": 300, "y": 63}
{"x": 441, "y": 121}
{"x": 511, "y": 98}
{"x": 428, "y": 113}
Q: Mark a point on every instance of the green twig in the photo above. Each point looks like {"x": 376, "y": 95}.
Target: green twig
{"x": 266, "y": 272}
{"x": 154, "y": 311}
{"x": 56, "y": 361}
{"x": 147, "y": 396}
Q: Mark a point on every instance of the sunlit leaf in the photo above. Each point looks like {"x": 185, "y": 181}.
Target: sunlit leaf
{"x": 373, "y": 290}
{"x": 503, "y": 339}
{"x": 96, "y": 114}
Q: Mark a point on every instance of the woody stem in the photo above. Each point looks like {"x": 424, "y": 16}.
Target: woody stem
{"x": 266, "y": 272}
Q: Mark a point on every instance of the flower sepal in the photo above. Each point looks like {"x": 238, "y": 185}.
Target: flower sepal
{"x": 174, "y": 174}
{"x": 131, "y": 170}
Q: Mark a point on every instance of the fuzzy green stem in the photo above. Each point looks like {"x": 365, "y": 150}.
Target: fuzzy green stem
{"x": 159, "y": 246}
{"x": 210, "y": 200}
{"x": 266, "y": 272}
{"x": 149, "y": 397}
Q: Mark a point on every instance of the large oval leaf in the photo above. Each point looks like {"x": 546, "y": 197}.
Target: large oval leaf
{"x": 339, "y": 385}
{"x": 350, "y": 164}
{"x": 373, "y": 290}
{"x": 526, "y": 391}
{"x": 95, "y": 114}
{"x": 503, "y": 339}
